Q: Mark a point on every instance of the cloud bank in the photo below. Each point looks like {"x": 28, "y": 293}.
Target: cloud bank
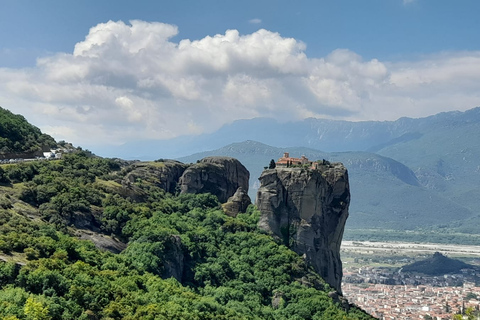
{"x": 131, "y": 81}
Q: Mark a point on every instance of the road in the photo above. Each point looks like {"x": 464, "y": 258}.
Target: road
{"x": 406, "y": 247}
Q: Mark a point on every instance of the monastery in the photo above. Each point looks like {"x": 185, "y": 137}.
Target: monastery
{"x": 287, "y": 161}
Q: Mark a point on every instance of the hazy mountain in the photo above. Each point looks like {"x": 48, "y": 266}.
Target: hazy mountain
{"x": 385, "y": 193}
{"x": 320, "y": 134}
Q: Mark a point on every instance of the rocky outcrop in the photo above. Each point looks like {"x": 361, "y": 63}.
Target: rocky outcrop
{"x": 220, "y": 176}
{"x": 163, "y": 174}
{"x": 173, "y": 259}
{"x": 101, "y": 241}
{"x": 237, "y": 203}
{"x": 307, "y": 209}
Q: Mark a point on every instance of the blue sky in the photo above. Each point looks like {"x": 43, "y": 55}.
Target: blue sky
{"x": 161, "y": 69}
{"x": 382, "y": 29}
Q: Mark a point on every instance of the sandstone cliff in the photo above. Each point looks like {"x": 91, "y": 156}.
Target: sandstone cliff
{"x": 308, "y": 209}
{"x": 164, "y": 174}
{"x": 237, "y": 203}
{"x": 220, "y": 176}
{"x": 223, "y": 177}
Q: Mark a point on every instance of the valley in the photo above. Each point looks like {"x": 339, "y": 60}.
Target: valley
{"x": 374, "y": 281}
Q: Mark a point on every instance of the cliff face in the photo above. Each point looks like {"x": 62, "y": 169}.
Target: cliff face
{"x": 223, "y": 177}
{"x": 220, "y": 176}
{"x": 162, "y": 174}
{"x": 308, "y": 209}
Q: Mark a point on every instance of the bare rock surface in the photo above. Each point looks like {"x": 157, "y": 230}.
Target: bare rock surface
{"x": 173, "y": 259}
{"x": 220, "y": 176}
{"x": 237, "y": 203}
{"x": 101, "y": 241}
{"x": 164, "y": 174}
{"x": 307, "y": 209}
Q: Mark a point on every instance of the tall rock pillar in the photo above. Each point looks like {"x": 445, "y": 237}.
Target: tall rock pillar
{"x": 307, "y": 209}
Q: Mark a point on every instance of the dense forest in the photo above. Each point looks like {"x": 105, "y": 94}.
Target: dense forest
{"x": 184, "y": 258}
{"x": 17, "y": 135}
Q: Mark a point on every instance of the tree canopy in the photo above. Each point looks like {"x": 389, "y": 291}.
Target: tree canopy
{"x": 18, "y": 135}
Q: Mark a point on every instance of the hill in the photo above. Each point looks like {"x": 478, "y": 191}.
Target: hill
{"x": 385, "y": 193}
{"x": 437, "y": 265}
{"x": 18, "y": 136}
{"x": 150, "y": 253}
{"x": 445, "y": 158}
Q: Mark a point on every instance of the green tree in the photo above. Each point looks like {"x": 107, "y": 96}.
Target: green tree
{"x": 34, "y": 310}
{"x": 272, "y": 164}
{"x": 3, "y": 176}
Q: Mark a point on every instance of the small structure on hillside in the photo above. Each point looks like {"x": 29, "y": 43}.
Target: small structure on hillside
{"x": 287, "y": 162}
{"x": 53, "y": 154}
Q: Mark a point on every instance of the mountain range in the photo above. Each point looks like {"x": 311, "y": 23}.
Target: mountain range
{"x": 320, "y": 134}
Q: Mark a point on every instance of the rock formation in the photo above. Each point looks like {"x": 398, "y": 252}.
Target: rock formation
{"x": 223, "y": 177}
{"x": 220, "y": 176}
{"x": 163, "y": 174}
{"x": 307, "y": 209}
{"x": 237, "y": 203}
{"x": 173, "y": 259}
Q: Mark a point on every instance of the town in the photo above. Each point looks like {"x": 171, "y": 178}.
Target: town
{"x": 380, "y": 287}
{"x": 408, "y": 302}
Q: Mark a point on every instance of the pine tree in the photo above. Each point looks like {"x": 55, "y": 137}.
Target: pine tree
{"x": 272, "y": 164}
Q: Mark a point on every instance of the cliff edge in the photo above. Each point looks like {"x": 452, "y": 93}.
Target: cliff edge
{"x": 307, "y": 209}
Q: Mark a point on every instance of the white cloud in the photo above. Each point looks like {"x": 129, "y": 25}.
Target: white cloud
{"x": 255, "y": 21}
{"x": 131, "y": 81}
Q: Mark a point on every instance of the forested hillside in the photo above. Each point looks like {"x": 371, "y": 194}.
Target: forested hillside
{"x": 17, "y": 135}
{"x": 184, "y": 259}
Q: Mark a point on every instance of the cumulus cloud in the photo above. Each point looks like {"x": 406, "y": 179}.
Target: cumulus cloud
{"x": 131, "y": 81}
{"x": 255, "y": 21}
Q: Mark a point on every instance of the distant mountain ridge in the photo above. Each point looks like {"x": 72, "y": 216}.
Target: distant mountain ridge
{"x": 320, "y": 134}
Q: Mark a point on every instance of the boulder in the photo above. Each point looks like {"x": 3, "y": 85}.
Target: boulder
{"x": 237, "y": 203}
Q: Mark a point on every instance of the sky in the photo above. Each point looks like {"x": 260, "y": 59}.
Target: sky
{"x": 109, "y": 72}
